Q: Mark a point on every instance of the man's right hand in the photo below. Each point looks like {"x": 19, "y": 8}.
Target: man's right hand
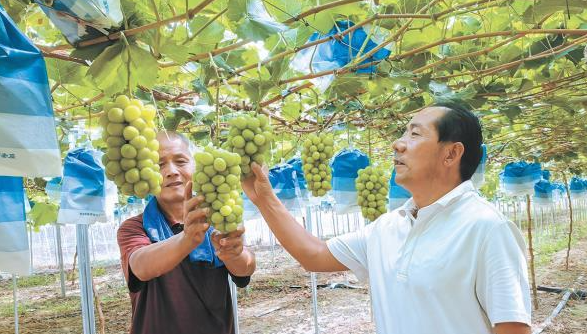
{"x": 194, "y": 218}
{"x": 257, "y": 186}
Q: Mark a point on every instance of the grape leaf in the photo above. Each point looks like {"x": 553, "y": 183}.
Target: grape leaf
{"x": 43, "y": 213}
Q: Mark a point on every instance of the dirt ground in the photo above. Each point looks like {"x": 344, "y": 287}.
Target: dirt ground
{"x": 278, "y": 300}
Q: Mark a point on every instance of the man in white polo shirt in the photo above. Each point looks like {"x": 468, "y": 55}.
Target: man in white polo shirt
{"x": 447, "y": 261}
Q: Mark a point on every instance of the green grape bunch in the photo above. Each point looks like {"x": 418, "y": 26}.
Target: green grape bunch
{"x": 217, "y": 178}
{"x": 372, "y": 185}
{"x": 250, "y": 137}
{"x": 132, "y": 157}
{"x": 316, "y": 153}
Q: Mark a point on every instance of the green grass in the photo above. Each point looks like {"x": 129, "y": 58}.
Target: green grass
{"x": 7, "y": 310}
{"x": 98, "y": 271}
{"x": 546, "y": 249}
{"x": 37, "y": 280}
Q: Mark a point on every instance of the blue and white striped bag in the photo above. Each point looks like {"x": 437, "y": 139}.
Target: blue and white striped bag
{"x": 518, "y": 178}
{"x": 297, "y": 165}
{"x": 478, "y": 177}
{"x": 285, "y": 185}
{"x": 82, "y": 20}
{"x": 28, "y": 141}
{"x": 398, "y": 195}
{"x": 345, "y": 167}
{"x": 543, "y": 193}
{"x": 14, "y": 245}
{"x": 577, "y": 188}
{"x": 559, "y": 191}
{"x": 83, "y": 199}
{"x": 53, "y": 189}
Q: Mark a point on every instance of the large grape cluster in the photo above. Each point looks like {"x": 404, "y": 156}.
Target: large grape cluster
{"x": 316, "y": 153}
{"x": 217, "y": 178}
{"x": 132, "y": 158}
{"x": 372, "y": 188}
{"x": 250, "y": 137}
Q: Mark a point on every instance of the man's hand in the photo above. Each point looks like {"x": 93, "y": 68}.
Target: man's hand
{"x": 228, "y": 246}
{"x": 194, "y": 218}
{"x": 230, "y": 250}
{"x": 257, "y": 187}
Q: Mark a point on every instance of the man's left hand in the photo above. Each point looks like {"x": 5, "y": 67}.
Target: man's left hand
{"x": 228, "y": 246}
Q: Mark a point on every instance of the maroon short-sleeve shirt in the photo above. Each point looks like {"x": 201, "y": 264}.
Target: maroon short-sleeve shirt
{"x": 193, "y": 298}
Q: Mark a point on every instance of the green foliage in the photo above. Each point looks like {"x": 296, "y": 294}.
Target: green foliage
{"x": 122, "y": 67}
{"x": 42, "y": 213}
{"x": 526, "y": 88}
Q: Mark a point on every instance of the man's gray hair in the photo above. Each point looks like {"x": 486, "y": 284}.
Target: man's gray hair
{"x": 174, "y": 134}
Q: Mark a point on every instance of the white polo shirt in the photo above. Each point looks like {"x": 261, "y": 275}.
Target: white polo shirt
{"x": 458, "y": 268}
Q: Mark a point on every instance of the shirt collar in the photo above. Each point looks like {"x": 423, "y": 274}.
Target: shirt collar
{"x": 448, "y": 198}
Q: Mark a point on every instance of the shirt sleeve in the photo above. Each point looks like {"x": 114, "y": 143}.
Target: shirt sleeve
{"x": 351, "y": 250}
{"x": 502, "y": 277}
{"x": 131, "y": 236}
{"x": 240, "y": 281}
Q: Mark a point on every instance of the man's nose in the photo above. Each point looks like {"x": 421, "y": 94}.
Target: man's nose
{"x": 398, "y": 145}
{"x": 170, "y": 170}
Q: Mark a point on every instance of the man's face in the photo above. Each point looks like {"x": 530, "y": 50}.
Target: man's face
{"x": 177, "y": 166}
{"x": 418, "y": 154}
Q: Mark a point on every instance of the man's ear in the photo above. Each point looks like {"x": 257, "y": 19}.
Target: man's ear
{"x": 454, "y": 153}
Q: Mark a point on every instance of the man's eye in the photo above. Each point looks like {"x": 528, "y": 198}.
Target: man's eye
{"x": 415, "y": 134}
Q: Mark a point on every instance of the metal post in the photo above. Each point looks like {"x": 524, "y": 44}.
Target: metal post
{"x": 313, "y": 275}
{"x": 515, "y": 213}
{"x": 233, "y": 293}
{"x": 31, "y": 247}
{"x": 60, "y": 259}
{"x": 272, "y": 244}
{"x": 348, "y": 224}
{"x": 85, "y": 280}
{"x": 15, "y": 297}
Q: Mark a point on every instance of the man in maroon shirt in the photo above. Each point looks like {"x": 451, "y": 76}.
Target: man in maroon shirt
{"x": 179, "y": 282}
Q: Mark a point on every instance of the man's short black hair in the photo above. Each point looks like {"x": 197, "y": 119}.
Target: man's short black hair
{"x": 459, "y": 124}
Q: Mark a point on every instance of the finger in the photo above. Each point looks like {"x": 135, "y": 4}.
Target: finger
{"x": 216, "y": 235}
{"x": 216, "y": 244}
{"x": 187, "y": 192}
{"x": 193, "y": 203}
{"x": 196, "y": 217}
{"x": 235, "y": 251}
{"x": 216, "y": 239}
{"x": 231, "y": 242}
{"x": 260, "y": 172}
{"x": 235, "y": 234}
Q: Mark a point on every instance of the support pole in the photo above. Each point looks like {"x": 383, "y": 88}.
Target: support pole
{"x": 15, "y": 296}
{"x": 272, "y": 244}
{"x": 570, "y": 222}
{"x": 31, "y": 247}
{"x": 60, "y": 259}
{"x": 234, "y": 295}
{"x": 85, "y": 279}
{"x": 534, "y": 291}
{"x": 313, "y": 275}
